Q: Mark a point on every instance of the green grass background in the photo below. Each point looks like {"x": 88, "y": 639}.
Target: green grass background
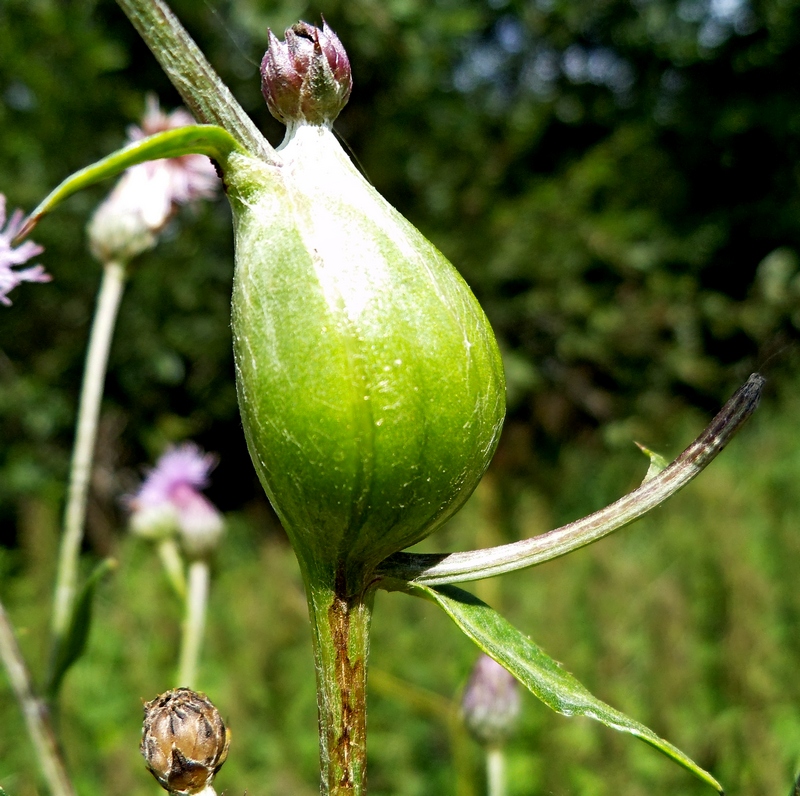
{"x": 687, "y": 620}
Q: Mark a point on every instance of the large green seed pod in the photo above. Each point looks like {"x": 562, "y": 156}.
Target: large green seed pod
{"x": 370, "y": 382}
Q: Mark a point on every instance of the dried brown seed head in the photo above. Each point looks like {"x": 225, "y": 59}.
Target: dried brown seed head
{"x": 184, "y": 740}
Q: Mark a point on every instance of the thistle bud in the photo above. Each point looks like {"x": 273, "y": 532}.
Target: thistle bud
{"x": 184, "y": 741}
{"x": 169, "y": 502}
{"x": 306, "y": 78}
{"x": 370, "y": 383}
{"x": 491, "y": 702}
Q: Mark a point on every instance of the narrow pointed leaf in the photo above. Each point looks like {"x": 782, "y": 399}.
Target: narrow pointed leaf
{"x": 657, "y": 463}
{"x": 543, "y": 676}
{"x": 197, "y": 139}
{"x": 73, "y": 644}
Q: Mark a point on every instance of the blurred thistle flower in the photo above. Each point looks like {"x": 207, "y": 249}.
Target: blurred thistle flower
{"x": 10, "y": 256}
{"x": 128, "y": 222}
{"x": 491, "y": 703}
{"x": 184, "y": 740}
{"x": 307, "y": 78}
{"x": 169, "y": 502}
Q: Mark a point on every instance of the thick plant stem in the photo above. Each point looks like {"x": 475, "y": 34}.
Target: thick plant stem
{"x": 194, "y": 622}
{"x": 340, "y": 626}
{"x": 495, "y": 771}
{"x": 94, "y": 377}
{"x": 201, "y": 88}
{"x": 37, "y": 717}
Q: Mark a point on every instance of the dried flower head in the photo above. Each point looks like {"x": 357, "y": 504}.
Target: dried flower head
{"x": 307, "y": 78}
{"x": 491, "y": 702}
{"x": 10, "y": 256}
{"x": 169, "y": 501}
{"x": 184, "y": 740}
{"x": 129, "y": 220}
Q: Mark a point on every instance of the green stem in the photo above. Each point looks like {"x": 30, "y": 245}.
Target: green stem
{"x": 37, "y": 717}
{"x": 194, "y": 622}
{"x": 94, "y": 376}
{"x": 340, "y": 623}
{"x": 495, "y": 771}
{"x": 201, "y": 88}
{"x": 170, "y": 554}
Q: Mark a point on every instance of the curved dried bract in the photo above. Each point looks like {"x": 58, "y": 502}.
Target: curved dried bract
{"x": 436, "y": 569}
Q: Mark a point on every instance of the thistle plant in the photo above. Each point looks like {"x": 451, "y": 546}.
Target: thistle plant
{"x": 369, "y": 381}
{"x": 490, "y": 707}
{"x": 127, "y": 223}
{"x": 170, "y": 510}
{"x": 13, "y": 256}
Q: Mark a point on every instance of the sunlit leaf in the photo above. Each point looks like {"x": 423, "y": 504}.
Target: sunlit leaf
{"x": 543, "y": 676}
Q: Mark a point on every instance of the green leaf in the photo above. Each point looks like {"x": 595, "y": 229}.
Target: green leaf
{"x": 73, "y": 644}
{"x": 657, "y": 463}
{"x": 197, "y": 139}
{"x": 543, "y": 676}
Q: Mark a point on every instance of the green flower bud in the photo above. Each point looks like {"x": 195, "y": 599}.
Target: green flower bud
{"x": 369, "y": 379}
{"x": 184, "y": 740}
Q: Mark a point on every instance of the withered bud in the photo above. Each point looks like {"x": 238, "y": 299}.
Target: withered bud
{"x": 306, "y": 78}
{"x": 184, "y": 740}
{"x": 491, "y": 702}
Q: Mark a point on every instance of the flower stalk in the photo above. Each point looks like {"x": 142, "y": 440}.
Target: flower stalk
{"x": 109, "y": 296}
{"x": 495, "y": 771}
{"x": 37, "y": 716}
{"x": 194, "y": 622}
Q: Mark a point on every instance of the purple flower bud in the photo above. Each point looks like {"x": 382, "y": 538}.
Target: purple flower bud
{"x": 184, "y": 740}
{"x": 491, "y": 702}
{"x": 307, "y": 78}
{"x": 169, "y": 501}
{"x": 130, "y": 219}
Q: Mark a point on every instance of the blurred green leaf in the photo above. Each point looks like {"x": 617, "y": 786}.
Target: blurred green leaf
{"x": 73, "y": 645}
{"x": 543, "y": 676}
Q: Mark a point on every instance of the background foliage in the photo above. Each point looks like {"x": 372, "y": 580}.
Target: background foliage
{"x": 618, "y": 181}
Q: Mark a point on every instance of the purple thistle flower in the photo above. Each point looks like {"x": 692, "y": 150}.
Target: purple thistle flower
{"x": 127, "y": 223}
{"x": 491, "y": 702}
{"x": 169, "y": 501}
{"x": 10, "y": 256}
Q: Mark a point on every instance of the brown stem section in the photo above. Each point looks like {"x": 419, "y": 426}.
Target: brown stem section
{"x": 340, "y": 624}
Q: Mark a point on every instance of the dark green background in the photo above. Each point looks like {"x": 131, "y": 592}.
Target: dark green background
{"x": 619, "y": 183}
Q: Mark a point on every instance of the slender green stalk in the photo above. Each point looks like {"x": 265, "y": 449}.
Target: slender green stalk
{"x": 37, "y": 717}
{"x": 172, "y": 561}
{"x": 495, "y": 771}
{"x": 194, "y": 622}
{"x": 201, "y": 88}
{"x": 340, "y": 626}
{"x": 94, "y": 376}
